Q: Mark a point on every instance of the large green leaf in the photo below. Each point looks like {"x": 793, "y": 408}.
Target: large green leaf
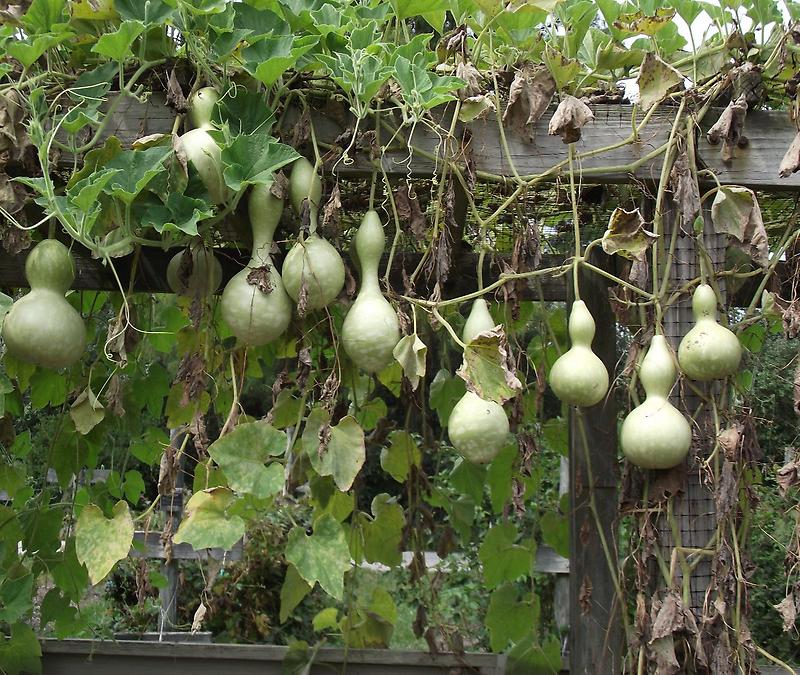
{"x": 253, "y": 159}
{"x": 28, "y": 51}
{"x": 408, "y": 8}
{"x": 378, "y": 540}
{"x": 503, "y": 559}
{"x": 555, "y": 532}
{"x": 401, "y": 454}
{"x": 334, "y": 451}
{"x": 152, "y": 12}
{"x": 43, "y": 16}
{"x": 323, "y": 557}
{"x": 15, "y": 597}
{"x": 445, "y": 392}
{"x": 117, "y": 45}
{"x": 207, "y": 523}
{"x": 510, "y": 617}
{"x": 179, "y": 213}
{"x": 529, "y": 657}
{"x": 20, "y": 653}
{"x": 245, "y": 111}
{"x": 137, "y": 169}
{"x": 270, "y": 58}
{"x": 294, "y": 589}
{"x": 101, "y": 542}
{"x": 243, "y": 453}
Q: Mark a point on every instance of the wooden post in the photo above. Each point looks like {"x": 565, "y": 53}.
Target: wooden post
{"x": 172, "y": 508}
{"x": 595, "y": 633}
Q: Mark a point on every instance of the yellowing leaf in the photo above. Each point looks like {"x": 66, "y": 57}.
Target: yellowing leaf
{"x": 334, "y": 451}
{"x": 101, "y": 542}
{"x": 323, "y": 557}
{"x": 626, "y": 235}
{"x": 207, "y": 523}
{"x": 641, "y": 23}
{"x": 487, "y": 368}
{"x": 87, "y": 412}
{"x": 736, "y": 212}
{"x": 656, "y": 79}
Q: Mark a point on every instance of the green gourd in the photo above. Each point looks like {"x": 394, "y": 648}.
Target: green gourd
{"x": 578, "y": 377}
{"x": 205, "y": 276}
{"x": 708, "y": 351}
{"x": 655, "y": 435}
{"x": 200, "y": 147}
{"x": 478, "y": 429}
{"x": 42, "y": 327}
{"x": 371, "y": 329}
{"x": 256, "y": 317}
{"x": 312, "y": 262}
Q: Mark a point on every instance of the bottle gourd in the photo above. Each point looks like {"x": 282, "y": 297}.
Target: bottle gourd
{"x": 478, "y": 428}
{"x": 42, "y": 327}
{"x": 708, "y": 351}
{"x": 371, "y": 329}
{"x": 200, "y": 147}
{"x": 312, "y": 262}
{"x": 205, "y": 275}
{"x": 655, "y": 435}
{"x": 254, "y": 316}
{"x": 578, "y": 377}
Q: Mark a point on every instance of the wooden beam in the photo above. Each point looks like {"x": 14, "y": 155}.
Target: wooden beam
{"x": 769, "y": 132}
{"x": 148, "y": 545}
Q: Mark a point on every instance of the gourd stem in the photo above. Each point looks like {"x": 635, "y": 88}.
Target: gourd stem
{"x": 575, "y": 224}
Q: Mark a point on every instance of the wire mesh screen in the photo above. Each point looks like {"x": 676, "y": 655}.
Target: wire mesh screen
{"x": 694, "y": 508}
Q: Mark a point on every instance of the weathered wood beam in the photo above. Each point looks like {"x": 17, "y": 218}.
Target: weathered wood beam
{"x": 756, "y": 165}
{"x": 149, "y": 545}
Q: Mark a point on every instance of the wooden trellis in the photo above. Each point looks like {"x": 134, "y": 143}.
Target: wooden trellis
{"x": 595, "y": 633}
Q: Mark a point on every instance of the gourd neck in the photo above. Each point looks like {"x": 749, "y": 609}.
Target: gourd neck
{"x": 370, "y": 242}
{"x": 704, "y": 304}
{"x": 265, "y": 211}
{"x": 201, "y": 108}
{"x": 657, "y": 372}
{"x": 581, "y": 325}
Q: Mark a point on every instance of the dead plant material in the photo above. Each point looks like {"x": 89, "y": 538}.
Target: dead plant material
{"x": 192, "y": 374}
{"x": 409, "y": 210}
{"x": 175, "y": 98}
{"x": 729, "y": 128}
{"x": 260, "y": 278}
{"x": 585, "y": 596}
{"x": 791, "y": 160}
{"x": 531, "y": 91}
{"x": 465, "y": 70}
{"x": 569, "y": 118}
{"x": 114, "y": 394}
{"x": 787, "y": 608}
{"x": 789, "y": 475}
{"x": 727, "y": 491}
{"x": 685, "y": 191}
{"x": 331, "y": 212}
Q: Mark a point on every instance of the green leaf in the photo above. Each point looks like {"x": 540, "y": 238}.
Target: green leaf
{"x": 28, "y": 52}
{"x": 12, "y": 478}
{"x": 87, "y": 411}
{"x": 486, "y": 370}
{"x": 469, "y": 479}
{"x": 48, "y": 387}
{"x": 117, "y": 45}
{"x": 556, "y": 435}
{"x": 498, "y": 477}
{"x": 95, "y": 83}
{"x": 84, "y": 193}
{"x": 242, "y": 455}
{"x": 245, "y": 112}
{"x": 204, "y": 7}
{"x": 270, "y": 58}
{"x": 446, "y": 391}
{"x": 293, "y": 591}
{"x": 528, "y": 657}
{"x": 323, "y": 557}
{"x": 154, "y": 12}
{"x": 137, "y": 169}
{"x": 502, "y": 559}
{"x": 253, "y": 159}
{"x": 57, "y": 608}
{"x": 371, "y": 624}
{"x": 179, "y": 213}
{"x": 69, "y": 574}
{"x": 149, "y": 447}
{"x": 510, "y": 617}
{"x": 334, "y": 451}
{"x": 207, "y": 523}
{"x": 555, "y": 532}
{"x": 21, "y": 652}
{"x": 369, "y": 414}
{"x": 101, "y": 542}
{"x": 133, "y": 486}
{"x": 410, "y": 353}
{"x": 15, "y": 597}
{"x": 44, "y": 15}
{"x": 405, "y": 9}
{"x": 383, "y": 534}
{"x": 401, "y": 454}
{"x": 326, "y": 619}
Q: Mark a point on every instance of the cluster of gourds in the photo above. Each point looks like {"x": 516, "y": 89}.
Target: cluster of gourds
{"x": 654, "y": 435}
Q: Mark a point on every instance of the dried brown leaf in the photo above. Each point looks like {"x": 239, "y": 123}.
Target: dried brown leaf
{"x": 791, "y": 160}
{"x": 626, "y": 234}
{"x": 531, "y": 91}
{"x": 569, "y": 118}
{"x": 729, "y": 441}
{"x": 685, "y": 191}
{"x": 192, "y": 374}
{"x": 331, "y": 212}
{"x": 260, "y": 278}
{"x": 175, "y": 97}
{"x": 729, "y": 128}
{"x": 787, "y": 608}
{"x": 114, "y": 395}
{"x": 409, "y": 211}
{"x": 789, "y": 475}
{"x": 796, "y": 388}
{"x": 667, "y": 616}
{"x": 467, "y": 71}
{"x": 585, "y": 596}
{"x": 279, "y": 188}
{"x": 727, "y": 491}
{"x": 735, "y": 211}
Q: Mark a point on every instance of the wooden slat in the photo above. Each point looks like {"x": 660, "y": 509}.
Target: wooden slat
{"x": 148, "y": 545}
{"x": 756, "y": 166}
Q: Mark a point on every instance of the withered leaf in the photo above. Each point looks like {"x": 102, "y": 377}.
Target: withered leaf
{"x": 727, "y": 491}
{"x": 175, "y": 97}
{"x": 114, "y": 395}
{"x": 569, "y": 118}
{"x": 279, "y": 188}
{"x": 331, "y": 212}
{"x": 409, "y": 210}
{"x": 729, "y": 441}
{"x": 585, "y": 596}
{"x": 640, "y": 23}
{"x": 685, "y": 191}
{"x": 260, "y": 278}
{"x": 735, "y": 211}
{"x": 791, "y": 160}
{"x": 531, "y": 91}
{"x": 668, "y": 616}
{"x": 789, "y": 475}
{"x": 656, "y": 79}
{"x": 787, "y": 608}
{"x": 729, "y": 128}
{"x": 488, "y": 369}
{"x": 192, "y": 374}
{"x": 626, "y": 235}
{"x": 465, "y": 70}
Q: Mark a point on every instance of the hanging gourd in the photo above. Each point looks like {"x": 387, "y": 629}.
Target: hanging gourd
{"x": 578, "y": 377}
{"x": 708, "y": 351}
{"x": 478, "y": 428}
{"x": 42, "y": 327}
{"x": 371, "y": 329}
{"x": 259, "y": 312}
{"x": 205, "y": 276}
{"x": 200, "y": 147}
{"x": 655, "y": 435}
{"x": 312, "y": 263}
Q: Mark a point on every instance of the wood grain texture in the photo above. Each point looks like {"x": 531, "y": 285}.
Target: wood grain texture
{"x": 149, "y": 546}
{"x": 769, "y": 132}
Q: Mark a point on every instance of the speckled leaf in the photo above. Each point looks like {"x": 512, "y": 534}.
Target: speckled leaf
{"x": 656, "y": 79}
{"x": 101, "y": 542}
{"x": 323, "y": 557}
{"x": 334, "y": 451}
{"x": 207, "y": 523}
{"x": 626, "y": 235}
{"x": 736, "y": 212}
{"x": 486, "y": 369}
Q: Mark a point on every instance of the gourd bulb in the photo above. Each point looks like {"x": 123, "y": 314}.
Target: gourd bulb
{"x": 314, "y": 263}
{"x": 478, "y": 321}
{"x": 254, "y": 316}
{"x": 42, "y": 327}
{"x": 578, "y": 377}
{"x": 304, "y": 183}
{"x": 708, "y": 351}
{"x": 655, "y": 435}
{"x": 371, "y": 329}
{"x": 205, "y": 275}
{"x": 478, "y": 428}
{"x": 199, "y": 146}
